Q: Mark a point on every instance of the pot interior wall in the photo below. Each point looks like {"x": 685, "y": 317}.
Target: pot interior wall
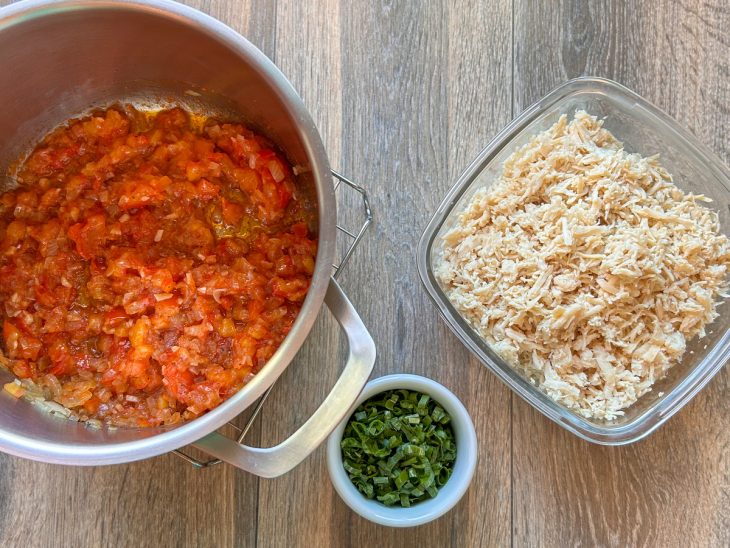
{"x": 59, "y": 62}
{"x": 62, "y": 65}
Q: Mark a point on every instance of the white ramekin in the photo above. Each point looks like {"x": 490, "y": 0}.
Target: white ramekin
{"x": 448, "y": 495}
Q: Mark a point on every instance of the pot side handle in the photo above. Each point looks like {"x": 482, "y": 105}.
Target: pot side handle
{"x": 274, "y": 461}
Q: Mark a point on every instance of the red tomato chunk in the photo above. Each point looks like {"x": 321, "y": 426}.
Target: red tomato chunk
{"x": 151, "y": 265}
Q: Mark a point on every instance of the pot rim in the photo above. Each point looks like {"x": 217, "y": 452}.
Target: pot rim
{"x": 186, "y": 433}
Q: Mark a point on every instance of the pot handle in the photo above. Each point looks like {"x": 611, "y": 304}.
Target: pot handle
{"x": 274, "y": 461}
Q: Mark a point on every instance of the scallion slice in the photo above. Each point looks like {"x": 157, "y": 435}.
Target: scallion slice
{"x": 399, "y": 448}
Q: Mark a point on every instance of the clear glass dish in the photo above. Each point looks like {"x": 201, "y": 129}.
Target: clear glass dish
{"x": 645, "y": 129}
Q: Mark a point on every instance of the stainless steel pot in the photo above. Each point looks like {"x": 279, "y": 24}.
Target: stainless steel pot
{"x": 60, "y": 58}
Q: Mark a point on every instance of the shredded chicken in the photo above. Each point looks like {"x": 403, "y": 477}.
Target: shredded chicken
{"x": 585, "y": 267}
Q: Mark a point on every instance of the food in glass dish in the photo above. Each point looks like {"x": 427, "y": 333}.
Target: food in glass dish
{"x": 585, "y": 267}
{"x": 152, "y": 262}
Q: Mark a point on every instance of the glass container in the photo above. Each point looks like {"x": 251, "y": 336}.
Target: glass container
{"x": 642, "y": 128}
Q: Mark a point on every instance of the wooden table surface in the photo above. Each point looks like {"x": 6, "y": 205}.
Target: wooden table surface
{"x": 405, "y": 93}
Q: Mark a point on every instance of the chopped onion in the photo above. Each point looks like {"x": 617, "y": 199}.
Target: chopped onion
{"x": 277, "y": 172}
{"x": 217, "y": 295}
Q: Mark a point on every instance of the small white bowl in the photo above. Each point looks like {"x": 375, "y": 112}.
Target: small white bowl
{"x": 448, "y": 495}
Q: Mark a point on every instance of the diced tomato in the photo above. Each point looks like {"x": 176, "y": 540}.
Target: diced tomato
{"x": 161, "y": 279}
{"x": 284, "y": 196}
{"x": 149, "y": 191}
{"x": 14, "y": 233}
{"x": 248, "y": 180}
{"x": 291, "y": 289}
{"x": 89, "y": 236}
{"x": 177, "y": 379}
{"x": 115, "y": 316}
{"x": 23, "y": 369}
{"x": 300, "y": 230}
{"x": 232, "y": 212}
{"x": 63, "y": 362}
{"x": 20, "y": 343}
{"x": 149, "y": 266}
{"x": 206, "y": 190}
{"x": 92, "y": 405}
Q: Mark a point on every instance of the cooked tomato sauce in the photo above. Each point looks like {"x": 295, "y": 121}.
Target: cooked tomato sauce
{"x": 151, "y": 263}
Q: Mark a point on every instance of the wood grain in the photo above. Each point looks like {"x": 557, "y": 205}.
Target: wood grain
{"x": 479, "y": 90}
{"x": 405, "y": 93}
{"x": 308, "y": 52}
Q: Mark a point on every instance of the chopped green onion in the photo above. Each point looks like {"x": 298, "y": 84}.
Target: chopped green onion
{"x": 399, "y": 448}
{"x": 438, "y": 414}
{"x": 405, "y": 500}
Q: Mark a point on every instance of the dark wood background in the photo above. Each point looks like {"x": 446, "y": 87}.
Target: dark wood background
{"x": 405, "y": 93}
